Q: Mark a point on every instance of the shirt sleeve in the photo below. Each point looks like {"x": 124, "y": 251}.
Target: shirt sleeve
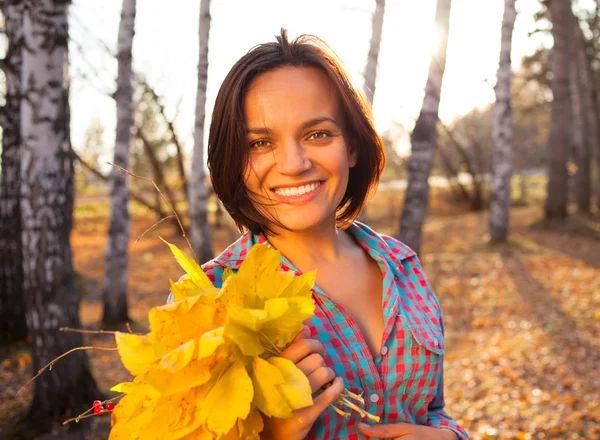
{"x": 437, "y": 417}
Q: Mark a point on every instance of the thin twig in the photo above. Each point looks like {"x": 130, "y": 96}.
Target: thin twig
{"x": 91, "y": 332}
{"x": 85, "y": 414}
{"x": 153, "y": 226}
{"x": 49, "y": 365}
{"x": 94, "y": 332}
{"x": 164, "y": 199}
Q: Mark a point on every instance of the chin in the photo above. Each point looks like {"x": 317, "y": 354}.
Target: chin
{"x": 299, "y": 223}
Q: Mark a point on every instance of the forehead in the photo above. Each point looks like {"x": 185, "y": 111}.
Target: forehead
{"x": 289, "y": 95}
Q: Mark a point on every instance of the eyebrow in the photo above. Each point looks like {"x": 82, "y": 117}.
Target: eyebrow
{"x": 307, "y": 124}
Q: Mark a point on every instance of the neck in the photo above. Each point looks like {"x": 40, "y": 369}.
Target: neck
{"x": 308, "y": 248}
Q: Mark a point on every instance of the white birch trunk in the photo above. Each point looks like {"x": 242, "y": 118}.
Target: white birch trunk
{"x": 502, "y": 133}
{"x": 373, "y": 57}
{"x": 199, "y": 227}
{"x": 115, "y": 278}
{"x": 560, "y": 119}
{"x": 12, "y": 307}
{"x": 47, "y": 195}
{"x": 424, "y": 138}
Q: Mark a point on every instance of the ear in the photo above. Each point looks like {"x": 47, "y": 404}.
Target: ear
{"x": 352, "y": 157}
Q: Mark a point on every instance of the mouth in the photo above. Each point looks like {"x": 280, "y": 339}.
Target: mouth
{"x": 296, "y": 191}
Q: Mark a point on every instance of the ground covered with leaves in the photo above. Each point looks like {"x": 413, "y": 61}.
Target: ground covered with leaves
{"x": 522, "y": 319}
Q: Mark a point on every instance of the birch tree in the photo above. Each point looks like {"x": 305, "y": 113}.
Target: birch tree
{"x": 560, "y": 119}
{"x": 199, "y": 227}
{"x": 115, "y": 278}
{"x": 502, "y": 133}
{"x": 47, "y": 195}
{"x": 424, "y": 139}
{"x": 12, "y": 308}
{"x": 373, "y": 57}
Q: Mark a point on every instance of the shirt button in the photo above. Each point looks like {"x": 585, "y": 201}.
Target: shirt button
{"x": 384, "y": 351}
{"x": 374, "y": 398}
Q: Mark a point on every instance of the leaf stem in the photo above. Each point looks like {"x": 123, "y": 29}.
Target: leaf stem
{"x": 49, "y": 364}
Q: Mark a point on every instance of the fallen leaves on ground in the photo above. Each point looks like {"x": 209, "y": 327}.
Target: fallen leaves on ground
{"x": 522, "y": 319}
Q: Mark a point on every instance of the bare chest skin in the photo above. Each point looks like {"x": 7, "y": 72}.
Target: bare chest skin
{"x": 357, "y": 284}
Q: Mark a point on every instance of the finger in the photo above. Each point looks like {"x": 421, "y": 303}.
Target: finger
{"x": 394, "y": 430}
{"x": 326, "y": 398}
{"x": 310, "y": 363}
{"x": 300, "y": 349}
{"x": 320, "y": 377}
{"x": 303, "y": 334}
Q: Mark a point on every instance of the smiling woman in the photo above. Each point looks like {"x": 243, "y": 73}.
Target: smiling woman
{"x": 298, "y": 164}
{"x": 288, "y": 100}
{"x": 293, "y": 156}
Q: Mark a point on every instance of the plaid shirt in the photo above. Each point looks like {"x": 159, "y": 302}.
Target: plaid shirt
{"x": 404, "y": 383}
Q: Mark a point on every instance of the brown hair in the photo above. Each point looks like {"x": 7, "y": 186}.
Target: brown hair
{"x": 228, "y": 146}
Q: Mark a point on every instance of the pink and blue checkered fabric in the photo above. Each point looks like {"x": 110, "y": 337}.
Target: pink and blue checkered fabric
{"x": 404, "y": 383}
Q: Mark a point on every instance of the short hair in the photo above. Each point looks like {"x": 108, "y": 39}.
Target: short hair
{"x": 228, "y": 149}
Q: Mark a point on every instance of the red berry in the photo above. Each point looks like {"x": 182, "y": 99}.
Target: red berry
{"x": 98, "y": 410}
{"x": 96, "y": 403}
{"x": 110, "y": 406}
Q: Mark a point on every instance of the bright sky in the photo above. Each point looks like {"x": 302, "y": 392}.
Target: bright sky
{"x": 166, "y": 51}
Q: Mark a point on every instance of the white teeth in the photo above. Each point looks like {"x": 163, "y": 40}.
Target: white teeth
{"x": 298, "y": 190}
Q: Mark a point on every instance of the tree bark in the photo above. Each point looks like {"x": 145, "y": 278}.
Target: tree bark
{"x": 115, "y": 278}
{"x": 372, "y": 58}
{"x": 502, "y": 134}
{"x": 589, "y": 98}
{"x": 581, "y": 147}
{"x": 47, "y": 195}
{"x": 199, "y": 227}
{"x": 424, "y": 138}
{"x": 560, "y": 119}
{"x": 13, "y": 326}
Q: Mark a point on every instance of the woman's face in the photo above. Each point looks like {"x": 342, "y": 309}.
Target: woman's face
{"x": 299, "y": 160}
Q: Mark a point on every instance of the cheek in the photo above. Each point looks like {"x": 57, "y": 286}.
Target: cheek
{"x": 254, "y": 174}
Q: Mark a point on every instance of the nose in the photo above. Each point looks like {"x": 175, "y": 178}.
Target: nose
{"x": 292, "y": 158}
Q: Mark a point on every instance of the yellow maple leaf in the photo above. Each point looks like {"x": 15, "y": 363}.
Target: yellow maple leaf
{"x": 137, "y": 353}
{"x": 266, "y": 378}
{"x": 296, "y": 388}
{"x": 192, "y": 268}
{"x": 227, "y": 399}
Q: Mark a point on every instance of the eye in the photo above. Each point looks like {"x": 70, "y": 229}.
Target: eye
{"x": 260, "y": 144}
{"x": 319, "y": 135}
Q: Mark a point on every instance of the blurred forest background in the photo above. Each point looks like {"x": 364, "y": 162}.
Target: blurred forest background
{"x": 489, "y": 112}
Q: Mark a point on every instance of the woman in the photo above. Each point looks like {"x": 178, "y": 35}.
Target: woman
{"x": 293, "y": 156}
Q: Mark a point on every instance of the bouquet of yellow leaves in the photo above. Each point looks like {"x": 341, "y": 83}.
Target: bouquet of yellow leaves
{"x": 209, "y": 366}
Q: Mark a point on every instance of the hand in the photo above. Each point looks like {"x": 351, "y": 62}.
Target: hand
{"x": 406, "y": 431}
{"x": 307, "y": 354}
